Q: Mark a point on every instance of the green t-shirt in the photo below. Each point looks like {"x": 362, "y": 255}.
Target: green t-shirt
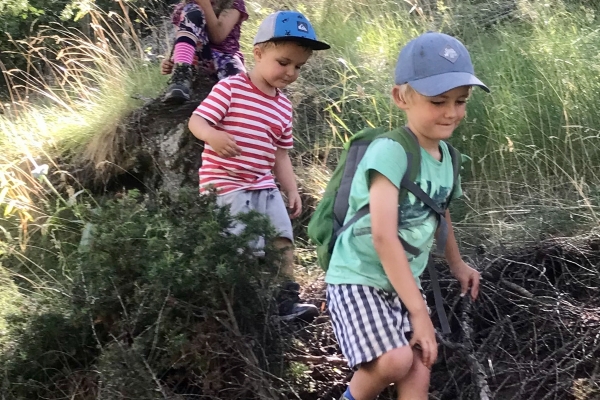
{"x": 354, "y": 259}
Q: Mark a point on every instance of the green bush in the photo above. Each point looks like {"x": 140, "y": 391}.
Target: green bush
{"x": 157, "y": 298}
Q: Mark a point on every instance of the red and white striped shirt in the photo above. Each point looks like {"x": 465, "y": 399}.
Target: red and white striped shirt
{"x": 259, "y": 124}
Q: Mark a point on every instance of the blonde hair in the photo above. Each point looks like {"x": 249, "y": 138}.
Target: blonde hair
{"x": 407, "y": 92}
{"x": 265, "y": 45}
{"x": 274, "y": 43}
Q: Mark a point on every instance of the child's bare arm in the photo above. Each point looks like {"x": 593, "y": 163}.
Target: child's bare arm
{"x": 383, "y": 200}
{"x": 221, "y": 142}
{"x": 284, "y": 173}
{"x": 218, "y": 27}
{"x": 467, "y": 276}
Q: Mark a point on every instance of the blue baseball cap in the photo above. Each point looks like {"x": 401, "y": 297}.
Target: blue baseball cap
{"x": 284, "y": 26}
{"x": 435, "y": 63}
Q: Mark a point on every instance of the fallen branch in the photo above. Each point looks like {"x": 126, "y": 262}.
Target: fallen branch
{"x": 477, "y": 372}
{"x": 318, "y": 359}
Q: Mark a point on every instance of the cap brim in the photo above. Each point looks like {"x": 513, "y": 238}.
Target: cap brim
{"x": 438, "y": 84}
{"x": 310, "y": 43}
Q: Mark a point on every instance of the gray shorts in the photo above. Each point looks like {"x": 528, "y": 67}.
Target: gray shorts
{"x": 265, "y": 201}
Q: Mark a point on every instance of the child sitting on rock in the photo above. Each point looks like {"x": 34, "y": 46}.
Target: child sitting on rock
{"x": 203, "y": 39}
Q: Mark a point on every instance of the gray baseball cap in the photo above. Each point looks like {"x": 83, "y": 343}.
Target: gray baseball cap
{"x": 435, "y": 63}
{"x": 284, "y": 26}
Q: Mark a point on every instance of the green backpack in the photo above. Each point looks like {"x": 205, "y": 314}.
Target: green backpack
{"x": 327, "y": 222}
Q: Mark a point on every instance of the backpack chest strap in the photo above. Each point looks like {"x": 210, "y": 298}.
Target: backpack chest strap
{"x": 442, "y": 235}
{"x": 365, "y": 210}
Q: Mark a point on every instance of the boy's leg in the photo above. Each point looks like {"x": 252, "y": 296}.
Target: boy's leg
{"x": 372, "y": 378}
{"x": 227, "y": 64}
{"x": 370, "y": 326}
{"x": 269, "y": 202}
{"x": 191, "y": 34}
{"x": 286, "y": 269}
{"x": 290, "y": 305}
{"x": 415, "y": 385}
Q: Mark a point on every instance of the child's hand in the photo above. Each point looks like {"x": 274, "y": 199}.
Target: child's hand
{"x": 223, "y": 144}
{"x": 294, "y": 204}
{"x": 468, "y": 278}
{"x": 166, "y": 66}
{"x": 424, "y": 337}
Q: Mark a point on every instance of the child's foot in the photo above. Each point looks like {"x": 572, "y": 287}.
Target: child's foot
{"x": 347, "y": 395}
{"x": 291, "y": 307}
{"x": 179, "y": 84}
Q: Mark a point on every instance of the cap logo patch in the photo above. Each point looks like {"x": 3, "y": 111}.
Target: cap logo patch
{"x": 302, "y": 27}
{"x": 449, "y": 54}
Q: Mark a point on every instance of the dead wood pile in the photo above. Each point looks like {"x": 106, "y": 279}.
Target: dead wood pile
{"x": 533, "y": 334}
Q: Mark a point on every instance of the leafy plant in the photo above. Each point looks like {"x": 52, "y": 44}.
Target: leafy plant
{"x": 158, "y": 286}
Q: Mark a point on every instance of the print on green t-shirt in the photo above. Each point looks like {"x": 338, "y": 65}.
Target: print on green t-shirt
{"x": 354, "y": 259}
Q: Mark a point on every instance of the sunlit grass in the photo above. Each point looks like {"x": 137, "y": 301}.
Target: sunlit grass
{"x": 534, "y": 141}
{"x": 77, "y": 88}
{"x": 69, "y": 103}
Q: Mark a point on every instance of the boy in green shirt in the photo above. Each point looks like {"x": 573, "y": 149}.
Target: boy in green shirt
{"x": 374, "y": 293}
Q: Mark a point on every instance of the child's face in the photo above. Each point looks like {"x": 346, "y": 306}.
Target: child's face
{"x": 279, "y": 65}
{"x": 435, "y": 117}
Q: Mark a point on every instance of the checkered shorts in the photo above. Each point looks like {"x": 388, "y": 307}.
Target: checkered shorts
{"x": 367, "y": 322}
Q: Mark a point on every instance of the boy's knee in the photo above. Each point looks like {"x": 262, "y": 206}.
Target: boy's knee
{"x": 394, "y": 365}
{"x": 283, "y": 243}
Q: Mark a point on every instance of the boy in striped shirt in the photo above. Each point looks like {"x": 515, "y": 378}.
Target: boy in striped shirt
{"x": 246, "y": 125}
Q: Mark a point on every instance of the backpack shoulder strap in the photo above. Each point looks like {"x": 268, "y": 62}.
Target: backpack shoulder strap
{"x": 456, "y": 168}
{"x": 409, "y": 142}
{"x": 413, "y": 154}
{"x": 355, "y": 150}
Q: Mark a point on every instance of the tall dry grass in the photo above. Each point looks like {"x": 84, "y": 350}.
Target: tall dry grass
{"x": 69, "y": 102}
{"x": 534, "y": 142}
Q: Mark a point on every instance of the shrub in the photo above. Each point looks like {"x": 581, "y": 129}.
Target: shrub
{"x": 160, "y": 300}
